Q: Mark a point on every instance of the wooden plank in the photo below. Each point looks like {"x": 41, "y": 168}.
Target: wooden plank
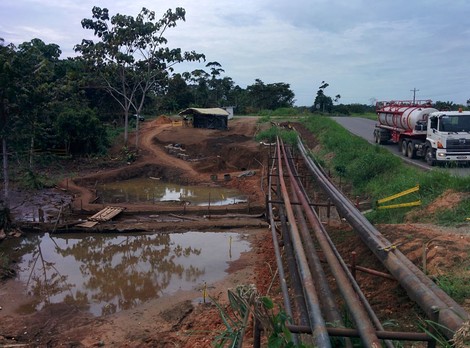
{"x": 88, "y": 224}
{"x": 106, "y": 214}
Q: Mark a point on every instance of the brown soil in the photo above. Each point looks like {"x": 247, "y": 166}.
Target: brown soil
{"x": 209, "y": 152}
{"x": 177, "y": 321}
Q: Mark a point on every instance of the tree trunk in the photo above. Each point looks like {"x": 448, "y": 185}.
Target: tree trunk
{"x": 31, "y": 153}
{"x": 6, "y": 181}
{"x": 137, "y": 133}
{"x": 126, "y": 127}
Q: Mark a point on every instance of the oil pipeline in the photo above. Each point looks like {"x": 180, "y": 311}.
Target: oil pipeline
{"x": 307, "y": 295}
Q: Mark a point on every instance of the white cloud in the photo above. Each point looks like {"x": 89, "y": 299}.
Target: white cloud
{"x": 363, "y": 48}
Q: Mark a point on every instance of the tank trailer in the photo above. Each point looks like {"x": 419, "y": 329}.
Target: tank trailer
{"x": 422, "y": 131}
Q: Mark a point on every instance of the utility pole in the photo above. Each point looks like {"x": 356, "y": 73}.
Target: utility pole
{"x": 414, "y": 90}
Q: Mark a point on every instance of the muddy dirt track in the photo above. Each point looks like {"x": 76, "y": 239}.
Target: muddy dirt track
{"x": 206, "y": 153}
{"x": 176, "y": 321}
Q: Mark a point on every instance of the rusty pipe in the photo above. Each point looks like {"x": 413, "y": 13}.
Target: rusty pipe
{"x": 450, "y": 316}
{"x": 317, "y": 322}
{"x": 305, "y": 201}
{"x": 358, "y": 312}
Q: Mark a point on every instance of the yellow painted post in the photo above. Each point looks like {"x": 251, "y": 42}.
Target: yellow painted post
{"x": 204, "y": 292}
{"x": 411, "y": 190}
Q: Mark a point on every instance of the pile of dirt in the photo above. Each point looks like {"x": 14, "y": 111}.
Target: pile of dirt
{"x": 445, "y": 201}
{"x": 163, "y": 119}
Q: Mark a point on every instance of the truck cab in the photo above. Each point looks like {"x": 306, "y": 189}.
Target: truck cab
{"x": 448, "y": 137}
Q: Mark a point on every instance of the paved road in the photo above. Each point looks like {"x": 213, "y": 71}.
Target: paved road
{"x": 364, "y": 128}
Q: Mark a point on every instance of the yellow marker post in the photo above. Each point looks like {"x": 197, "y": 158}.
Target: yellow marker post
{"x": 204, "y": 292}
{"x": 400, "y": 205}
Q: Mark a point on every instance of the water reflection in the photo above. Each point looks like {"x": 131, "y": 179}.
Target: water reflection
{"x": 144, "y": 190}
{"x": 108, "y": 273}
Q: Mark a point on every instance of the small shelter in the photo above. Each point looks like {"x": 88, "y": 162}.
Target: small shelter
{"x": 212, "y": 118}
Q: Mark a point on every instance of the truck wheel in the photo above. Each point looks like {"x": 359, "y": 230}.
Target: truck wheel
{"x": 404, "y": 148}
{"x": 411, "y": 152}
{"x": 376, "y": 137}
{"x": 429, "y": 156}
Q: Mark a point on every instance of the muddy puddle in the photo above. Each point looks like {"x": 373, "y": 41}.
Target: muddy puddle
{"x": 148, "y": 190}
{"x": 105, "y": 274}
{"x": 42, "y": 205}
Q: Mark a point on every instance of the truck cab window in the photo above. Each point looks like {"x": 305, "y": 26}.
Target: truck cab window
{"x": 443, "y": 126}
{"x": 433, "y": 123}
{"x": 464, "y": 124}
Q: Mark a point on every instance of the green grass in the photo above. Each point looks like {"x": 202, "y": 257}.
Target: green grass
{"x": 369, "y": 115}
{"x": 270, "y": 135}
{"x": 114, "y": 132}
{"x": 284, "y": 112}
{"x": 456, "y": 285}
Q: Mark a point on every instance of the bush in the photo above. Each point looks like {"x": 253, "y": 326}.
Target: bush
{"x": 270, "y": 135}
{"x": 372, "y": 164}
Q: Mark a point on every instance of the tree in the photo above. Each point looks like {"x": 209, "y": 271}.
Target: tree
{"x": 446, "y": 106}
{"x": 131, "y": 56}
{"x": 35, "y": 62}
{"x": 270, "y": 96}
{"x": 198, "y": 80}
{"x": 177, "y": 95}
{"x": 26, "y": 75}
{"x": 6, "y": 94}
{"x": 218, "y": 87}
{"x": 323, "y": 102}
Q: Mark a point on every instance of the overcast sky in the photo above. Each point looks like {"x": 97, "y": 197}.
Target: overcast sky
{"x": 364, "y": 49}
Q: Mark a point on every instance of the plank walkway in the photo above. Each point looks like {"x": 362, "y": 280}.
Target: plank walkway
{"x": 103, "y": 215}
{"x": 106, "y": 214}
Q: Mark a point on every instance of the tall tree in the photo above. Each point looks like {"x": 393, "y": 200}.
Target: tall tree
{"x": 270, "y": 96}
{"x": 132, "y": 54}
{"x": 6, "y": 92}
{"x": 26, "y": 75}
{"x": 177, "y": 94}
{"x": 36, "y": 62}
{"x": 215, "y": 84}
{"x": 198, "y": 80}
{"x": 323, "y": 102}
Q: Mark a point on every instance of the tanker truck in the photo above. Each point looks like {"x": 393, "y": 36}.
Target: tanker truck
{"x": 422, "y": 131}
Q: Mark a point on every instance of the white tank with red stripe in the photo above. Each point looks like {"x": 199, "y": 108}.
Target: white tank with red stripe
{"x": 404, "y": 114}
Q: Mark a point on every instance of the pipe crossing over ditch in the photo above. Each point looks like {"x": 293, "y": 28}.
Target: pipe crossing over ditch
{"x": 315, "y": 304}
